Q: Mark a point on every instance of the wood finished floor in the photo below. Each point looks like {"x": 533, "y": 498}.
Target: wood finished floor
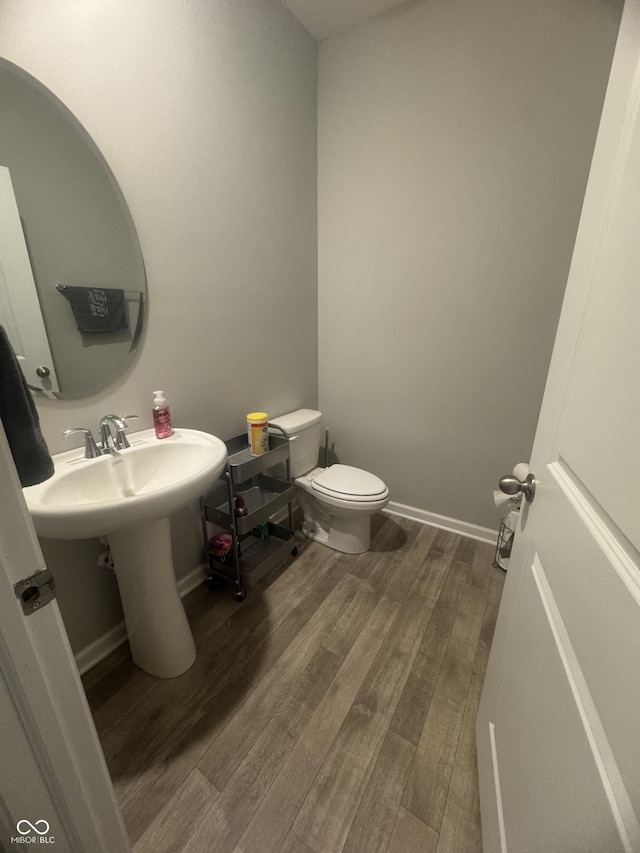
{"x": 333, "y": 710}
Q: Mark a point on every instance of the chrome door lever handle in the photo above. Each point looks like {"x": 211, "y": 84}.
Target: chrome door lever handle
{"x": 511, "y": 485}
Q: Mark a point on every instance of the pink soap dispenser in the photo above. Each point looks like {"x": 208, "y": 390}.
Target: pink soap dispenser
{"x": 161, "y": 415}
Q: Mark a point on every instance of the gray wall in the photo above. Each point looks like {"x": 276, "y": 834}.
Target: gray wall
{"x": 206, "y": 113}
{"x": 454, "y": 144}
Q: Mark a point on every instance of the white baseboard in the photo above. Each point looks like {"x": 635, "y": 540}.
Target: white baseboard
{"x": 104, "y": 645}
{"x": 453, "y": 525}
{"x": 100, "y": 648}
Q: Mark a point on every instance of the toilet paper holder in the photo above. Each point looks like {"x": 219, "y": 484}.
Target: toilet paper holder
{"x": 512, "y": 485}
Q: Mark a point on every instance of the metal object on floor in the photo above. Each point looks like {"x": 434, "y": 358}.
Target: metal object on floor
{"x": 257, "y": 541}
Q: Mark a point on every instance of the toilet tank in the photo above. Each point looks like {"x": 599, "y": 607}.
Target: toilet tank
{"x": 303, "y": 428}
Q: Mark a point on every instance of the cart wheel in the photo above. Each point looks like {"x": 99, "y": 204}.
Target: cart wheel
{"x": 241, "y": 595}
{"x": 212, "y": 582}
{"x": 294, "y": 551}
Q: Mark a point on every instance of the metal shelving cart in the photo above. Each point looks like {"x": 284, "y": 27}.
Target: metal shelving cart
{"x": 257, "y": 541}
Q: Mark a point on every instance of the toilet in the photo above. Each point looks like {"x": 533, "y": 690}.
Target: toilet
{"x": 337, "y": 502}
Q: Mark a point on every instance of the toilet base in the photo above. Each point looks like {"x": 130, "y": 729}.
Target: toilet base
{"x": 349, "y": 535}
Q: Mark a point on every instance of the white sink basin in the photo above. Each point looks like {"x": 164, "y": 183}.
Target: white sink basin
{"x": 151, "y": 479}
{"x": 128, "y": 498}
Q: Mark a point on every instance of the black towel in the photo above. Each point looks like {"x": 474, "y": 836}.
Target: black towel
{"x": 97, "y": 309}
{"x": 20, "y": 420}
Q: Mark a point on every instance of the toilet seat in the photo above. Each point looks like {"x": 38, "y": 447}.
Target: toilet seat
{"x": 349, "y": 484}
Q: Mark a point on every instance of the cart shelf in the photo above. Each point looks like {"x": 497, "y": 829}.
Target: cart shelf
{"x": 254, "y": 550}
{"x": 262, "y": 499}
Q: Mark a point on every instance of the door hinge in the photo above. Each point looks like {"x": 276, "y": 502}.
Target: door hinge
{"x": 35, "y": 591}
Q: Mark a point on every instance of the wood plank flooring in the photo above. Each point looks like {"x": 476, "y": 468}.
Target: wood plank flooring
{"x": 333, "y": 710}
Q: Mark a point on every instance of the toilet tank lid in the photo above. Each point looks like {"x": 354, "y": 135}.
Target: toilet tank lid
{"x": 296, "y": 421}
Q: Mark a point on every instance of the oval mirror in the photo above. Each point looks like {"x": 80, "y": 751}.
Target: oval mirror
{"x": 72, "y": 278}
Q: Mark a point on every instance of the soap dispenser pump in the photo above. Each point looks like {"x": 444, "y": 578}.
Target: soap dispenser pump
{"x": 161, "y": 415}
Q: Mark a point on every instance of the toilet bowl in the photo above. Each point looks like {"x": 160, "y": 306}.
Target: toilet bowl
{"x": 337, "y": 502}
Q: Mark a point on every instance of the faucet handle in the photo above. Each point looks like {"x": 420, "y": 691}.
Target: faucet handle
{"x": 91, "y": 449}
{"x": 122, "y": 441}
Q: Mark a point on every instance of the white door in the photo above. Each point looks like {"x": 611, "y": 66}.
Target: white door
{"x": 20, "y": 312}
{"x": 559, "y": 723}
{"x": 54, "y": 784}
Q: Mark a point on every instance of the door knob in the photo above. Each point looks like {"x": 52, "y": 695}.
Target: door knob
{"x": 511, "y": 485}
{"x": 43, "y": 371}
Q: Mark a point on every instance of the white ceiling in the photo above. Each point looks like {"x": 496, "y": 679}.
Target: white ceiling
{"x": 325, "y": 18}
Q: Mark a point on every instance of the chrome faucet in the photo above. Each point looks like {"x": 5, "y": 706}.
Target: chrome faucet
{"x": 120, "y": 442}
{"x": 108, "y": 444}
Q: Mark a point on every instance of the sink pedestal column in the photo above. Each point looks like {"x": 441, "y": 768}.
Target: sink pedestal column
{"x": 159, "y": 634}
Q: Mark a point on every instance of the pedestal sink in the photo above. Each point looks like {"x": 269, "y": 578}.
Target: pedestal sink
{"x": 128, "y": 497}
